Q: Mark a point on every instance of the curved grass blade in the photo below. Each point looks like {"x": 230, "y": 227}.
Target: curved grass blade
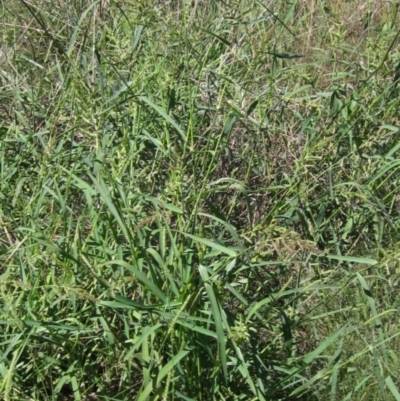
{"x": 76, "y": 30}
{"x": 104, "y": 194}
{"x": 141, "y": 277}
{"x": 229, "y": 227}
{"x": 163, "y": 373}
{"x": 392, "y": 387}
{"x": 213, "y": 245}
{"x": 146, "y": 332}
{"x": 314, "y": 355}
{"x": 164, "y": 115}
{"x": 216, "y": 311}
{"x": 357, "y": 387}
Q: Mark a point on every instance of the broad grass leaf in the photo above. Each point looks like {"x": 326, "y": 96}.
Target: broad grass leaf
{"x": 136, "y": 37}
{"x": 353, "y": 259}
{"x": 217, "y": 247}
{"x": 392, "y": 387}
{"x": 216, "y": 311}
{"x": 141, "y": 277}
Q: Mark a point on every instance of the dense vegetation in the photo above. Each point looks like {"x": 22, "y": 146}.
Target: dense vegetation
{"x": 199, "y": 200}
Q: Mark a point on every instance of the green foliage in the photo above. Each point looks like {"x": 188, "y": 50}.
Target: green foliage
{"x": 199, "y": 201}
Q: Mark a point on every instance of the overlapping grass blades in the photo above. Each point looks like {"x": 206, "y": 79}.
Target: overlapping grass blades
{"x": 199, "y": 201}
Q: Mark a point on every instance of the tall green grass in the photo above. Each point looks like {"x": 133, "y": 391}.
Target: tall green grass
{"x": 199, "y": 200}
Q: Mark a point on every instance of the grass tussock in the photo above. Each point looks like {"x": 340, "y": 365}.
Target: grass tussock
{"x": 199, "y": 200}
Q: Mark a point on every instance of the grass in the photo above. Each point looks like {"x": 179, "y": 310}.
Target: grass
{"x": 199, "y": 200}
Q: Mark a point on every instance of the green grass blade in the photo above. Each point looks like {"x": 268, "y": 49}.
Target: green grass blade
{"x": 136, "y": 37}
{"x": 216, "y": 311}
{"x": 164, "y": 115}
{"x": 141, "y": 277}
{"x": 324, "y": 345}
{"x": 78, "y": 26}
{"x": 105, "y": 196}
{"x": 392, "y": 387}
{"x": 147, "y": 331}
{"x": 161, "y": 375}
{"x": 217, "y": 247}
{"x": 353, "y": 259}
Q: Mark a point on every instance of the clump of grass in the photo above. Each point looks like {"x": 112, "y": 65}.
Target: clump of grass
{"x": 199, "y": 201}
